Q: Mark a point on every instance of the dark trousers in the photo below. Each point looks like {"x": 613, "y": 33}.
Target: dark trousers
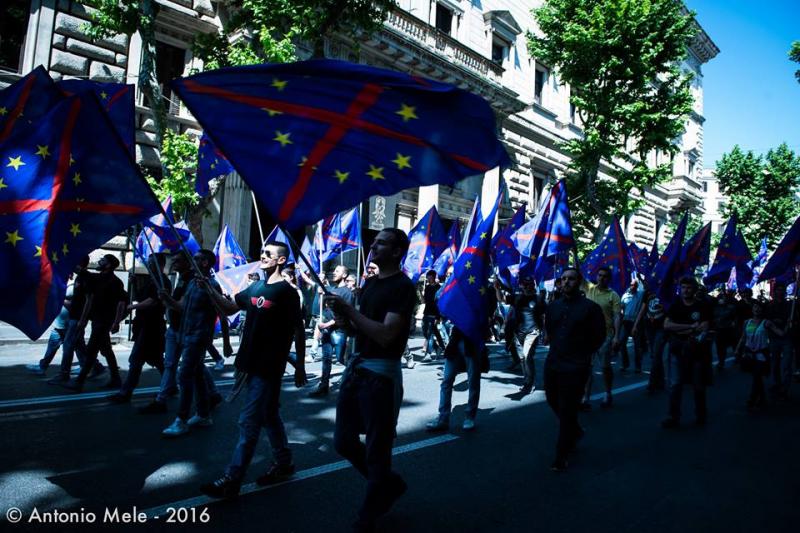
{"x": 99, "y": 343}
{"x": 148, "y": 347}
{"x": 638, "y": 345}
{"x": 366, "y": 405}
{"x": 563, "y": 391}
{"x": 726, "y": 338}
{"x": 686, "y": 369}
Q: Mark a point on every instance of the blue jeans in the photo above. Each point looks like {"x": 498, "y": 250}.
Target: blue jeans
{"x": 429, "y": 332}
{"x": 53, "y": 344}
{"x": 169, "y": 381}
{"x": 446, "y": 390}
{"x": 332, "y": 340}
{"x": 260, "y": 409}
{"x": 73, "y": 344}
{"x": 191, "y": 377}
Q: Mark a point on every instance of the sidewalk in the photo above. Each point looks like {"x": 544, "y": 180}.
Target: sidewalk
{"x": 11, "y": 335}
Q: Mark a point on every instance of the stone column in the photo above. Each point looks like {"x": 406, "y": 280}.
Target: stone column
{"x": 237, "y": 209}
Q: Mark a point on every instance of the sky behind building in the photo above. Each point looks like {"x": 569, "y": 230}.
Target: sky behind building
{"x": 751, "y": 95}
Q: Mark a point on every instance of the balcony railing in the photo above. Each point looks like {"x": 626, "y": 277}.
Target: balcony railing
{"x": 442, "y": 44}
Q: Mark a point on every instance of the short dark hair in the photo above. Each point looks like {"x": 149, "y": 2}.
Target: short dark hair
{"x": 430, "y": 272}
{"x": 400, "y": 239}
{"x": 576, "y": 269}
{"x": 689, "y": 280}
{"x": 604, "y": 269}
{"x": 284, "y": 248}
{"x": 112, "y": 260}
{"x": 209, "y": 256}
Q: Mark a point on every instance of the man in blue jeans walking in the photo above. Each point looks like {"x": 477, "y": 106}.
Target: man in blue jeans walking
{"x": 273, "y": 320}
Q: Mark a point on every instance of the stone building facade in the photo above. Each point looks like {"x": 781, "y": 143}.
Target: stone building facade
{"x": 478, "y": 45}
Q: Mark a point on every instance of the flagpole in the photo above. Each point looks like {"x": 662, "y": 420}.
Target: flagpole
{"x": 258, "y": 217}
{"x": 302, "y": 256}
{"x": 361, "y": 242}
{"x": 794, "y": 300}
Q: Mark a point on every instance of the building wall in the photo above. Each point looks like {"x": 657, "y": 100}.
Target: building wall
{"x": 713, "y": 201}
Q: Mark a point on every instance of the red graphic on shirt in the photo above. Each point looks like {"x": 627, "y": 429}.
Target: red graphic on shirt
{"x": 261, "y": 302}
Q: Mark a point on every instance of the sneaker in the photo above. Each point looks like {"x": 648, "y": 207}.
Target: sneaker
{"x": 670, "y": 423}
{"x": 219, "y": 365}
{"x": 73, "y": 385}
{"x": 154, "y": 407}
{"x": 198, "y": 421}
{"x": 35, "y": 369}
{"x": 58, "y": 379}
{"x": 427, "y": 358}
{"x": 176, "y": 429}
{"x": 468, "y": 425}
{"x": 224, "y": 487}
{"x": 214, "y": 400}
{"x": 410, "y": 363}
{"x": 275, "y": 474}
{"x": 438, "y": 424}
{"x": 527, "y": 388}
{"x": 98, "y": 370}
{"x": 559, "y": 465}
{"x": 119, "y": 398}
{"x": 320, "y": 392}
{"x": 586, "y": 407}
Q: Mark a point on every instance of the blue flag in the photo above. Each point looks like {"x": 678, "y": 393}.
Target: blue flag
{"x": 547, "y": 236}
{"x": 313, "y": 138}
{"x": 759, "y": 262}
{"x": 450, "y": 253}
{"x": 234, "y": 280}
{"x": 427, "y": 242}
{"x": 308, "y": 250}
{"x": 666, "y": 272}
{"x": 464, "y": 297}
{"x": 504, "y": 254}
{"x": 732, "y": 252}
{"x": 211, "y": 164}
{"x": 191, "y": 244}
{"x": 696, "y": 251}
{"x": 160, "y": 226}
{"x": 613, "y": 254}
{"x": 639, "y": 257}
{"x": 24, "y": 102}
{"x": 475, "y": 219}
{"x": 278, "y": 235}
{"x": 118, "y": 101}
{"x": 67, "y": 185}
{"x": 229, "y": 253}
{"x": 343, "y": 233}
{"x": 786, "y": 256}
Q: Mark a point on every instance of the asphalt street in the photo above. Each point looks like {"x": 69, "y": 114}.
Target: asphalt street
{"x": 78, "y": 453}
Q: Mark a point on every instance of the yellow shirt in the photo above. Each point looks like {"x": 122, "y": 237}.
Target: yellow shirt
{"x": 608, "y": 300}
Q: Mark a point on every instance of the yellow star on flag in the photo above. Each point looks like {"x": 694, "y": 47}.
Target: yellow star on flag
{"x": 282, "y": 138}
{"x": 38, "y": 252}
{"x": 341, "y": 176}
{"x": 483, "y": 235}
{"x": 376, "y": 173}
{"x": 402, "y": 161}
{"x": 2, "y": 184}
{"x": 54, "y": 257}
{"x": 104, "y": 95}
{"x": 3, "y": 111}
{"x": 272, "y": 112}
{"x": 71, "y": 161}
{"x": 468, "y": 265}
{"x": 471, "y": 280}
{"x": 15, "y": 162}
{"x": 43, "y": 151}
{"x": 76, "y": 179}
{"x": 279, "y": 84}
{"x": 482, "y": 290}
{"x": 13, "y": 237}
{"x": 407, "y": 112}
{"x": 74, "y": 229}
{"x": 64, "y": 249}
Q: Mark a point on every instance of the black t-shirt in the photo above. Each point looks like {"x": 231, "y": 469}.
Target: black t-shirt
{"x": 174, "y": 315}
{"x": 680, "y": 313}
{"x": 79, "y": 291}
{"x": 429, "y": 297}
{"x": 528, "y": 312}
{"x": 395, "y": 294}
{"x": 273, "y": 314}
{"x": 345, "y": 294}
{"x": 151, "y": 318}
{"x": 107, "y": 291}
{"x": 778, "y": 313}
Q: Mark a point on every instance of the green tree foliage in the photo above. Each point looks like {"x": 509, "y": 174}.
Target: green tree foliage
{"x": 621, "y": 59}
{"x": 762, "y": 191}
{"x": 260, "y": 31}
{"x": 178, "y": 157}
{"x": 794, "y": 55}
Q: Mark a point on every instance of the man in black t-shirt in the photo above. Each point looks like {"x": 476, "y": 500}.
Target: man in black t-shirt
{"x": 333, "y": 337}
{"x": 106, "y": 310}
{"x": 274, "y": 319}
{"x": 688, "y": 321}
{"x": 372, "y": 386}
{"x": 430, "y": 316}
{"x": 528, "y": 314}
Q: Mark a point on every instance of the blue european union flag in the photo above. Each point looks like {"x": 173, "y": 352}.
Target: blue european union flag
{"x": 308, "y": 250}
{"x": 229, "y": 253}
{"x": 162, "y": 227}
{"x": 474, "y": 221}
{"x": 732, "y": 252}
{"x": 759, "y": 262}
{"x": 118, "y": 101}
{"x": 26, "y": 101}
{"x": 613, "y": 254}
{"x": 427, "y": 242}
{"x": 278, "y": 235}
{"x": 638, "y": 256}
{"x": 67, "y": 185}
{"x": 316, "y": 137}
{"x": 666, "y": 271}
{"x": 504, "y": 254}
{"x": 696, "y": 251}
{"x": 786, "y": 256}
{"x": 341, "y": 233}
{"x": 448, "y": 256}
{"x": 463, "y": 298}
{"x": 234, "y": 280}
{"x": 211, "y": 164}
